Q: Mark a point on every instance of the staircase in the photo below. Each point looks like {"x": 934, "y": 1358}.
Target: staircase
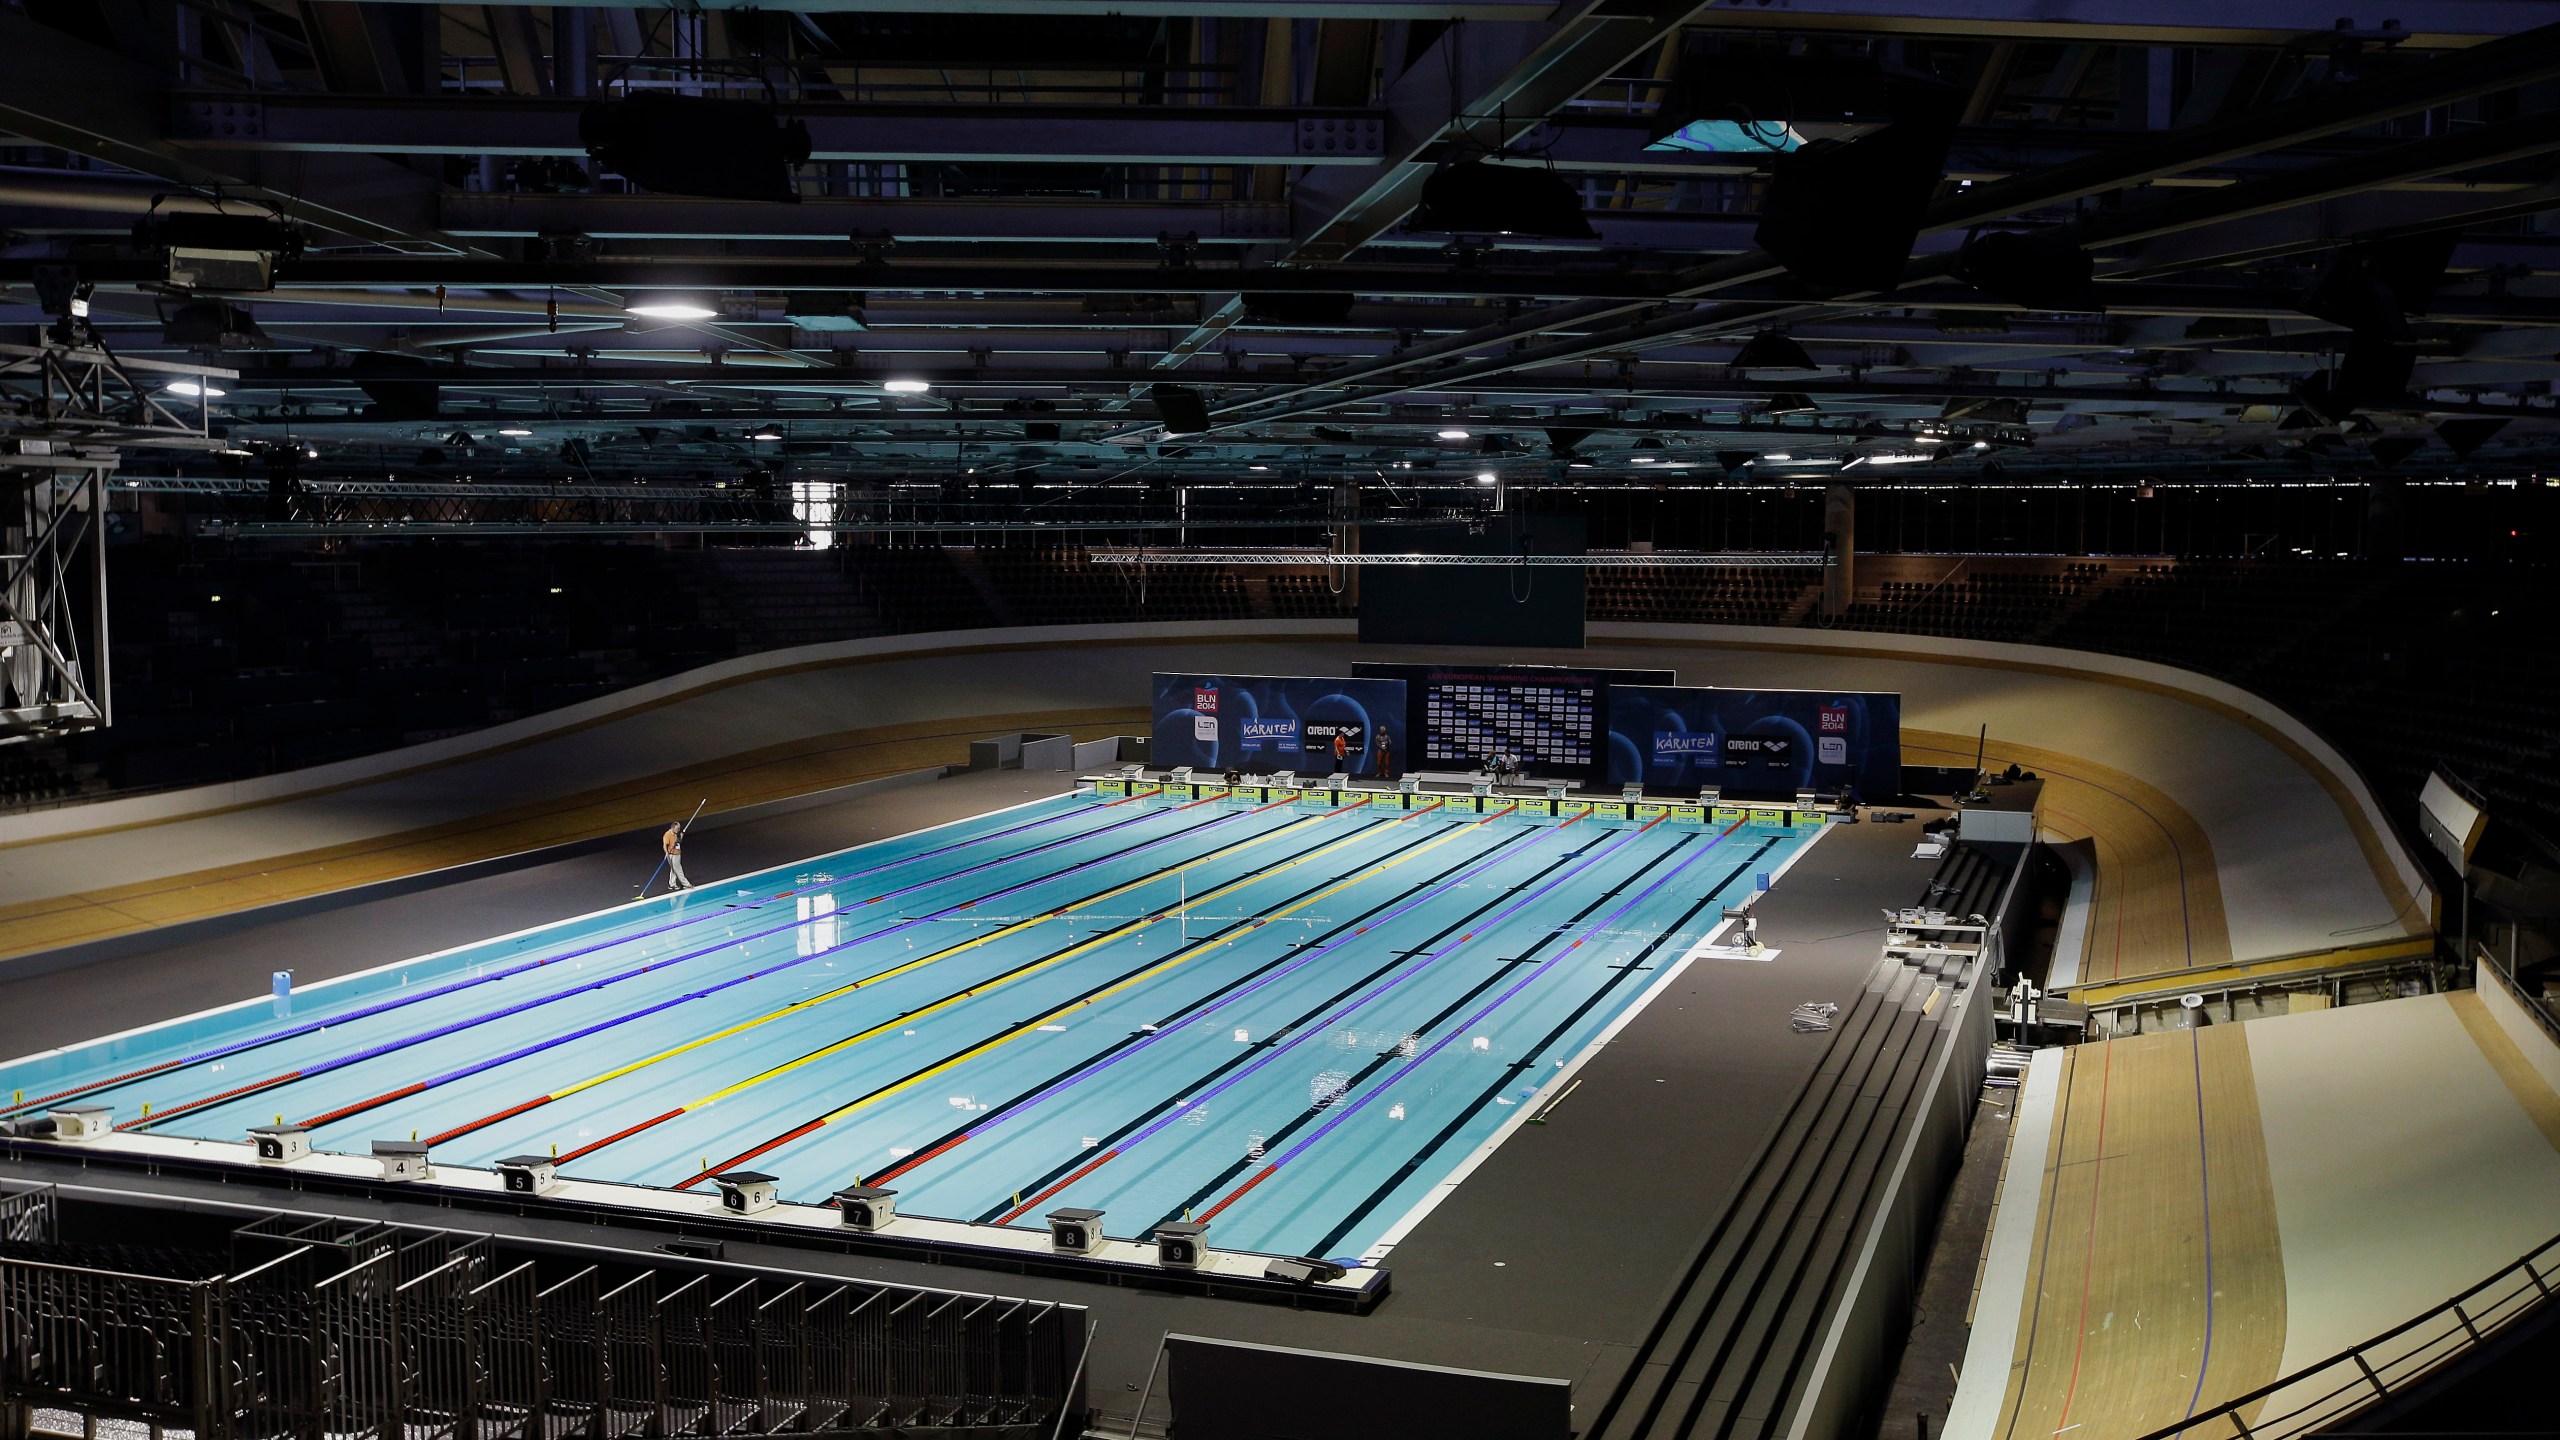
{"x": 1728, "y": 1357}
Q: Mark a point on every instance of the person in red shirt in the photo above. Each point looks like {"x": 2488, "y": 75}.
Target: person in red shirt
{"x": 1341, "y": 748}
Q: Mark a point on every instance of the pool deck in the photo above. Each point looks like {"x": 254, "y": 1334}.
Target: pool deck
{"x": 1551, "y": 1259}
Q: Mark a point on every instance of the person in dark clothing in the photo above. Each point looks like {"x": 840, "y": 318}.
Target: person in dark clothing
{"x": 1386, "y": 769}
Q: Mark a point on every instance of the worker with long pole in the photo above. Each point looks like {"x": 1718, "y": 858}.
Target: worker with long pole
{"x": 671, "y": 853}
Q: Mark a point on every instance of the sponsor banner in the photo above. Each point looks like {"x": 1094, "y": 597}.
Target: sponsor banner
{"x": 1677, "y": 739}
{"x": 1668, "y": 744}
{"x": 1728, "y": 815}
{"x": 1688, "y": 815}
{"x": 1804, "y": 817}
{"x": 1269, "y": 723}
{"x": 1570, "y": 808}
{"x": 1111, "y": 787}
{"x": 1768, "y": 817}
{"x": 1649, "y": 811}
{"x": 1541, "y": 806}
{"x": 1279, "y": 734}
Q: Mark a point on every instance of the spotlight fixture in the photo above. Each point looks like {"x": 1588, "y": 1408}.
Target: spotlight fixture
{"x": 673, "y": 307}
{"x": 1770, "y": 350}
{"x": 1478, "y": 197}
{"x": 1454, "y": 433}
{"x": 1487, "y": 478}
{"x": 690, "y": 145}
{"x": 194, "y": 390}
{"x": 1643, "y": 459}
{"x": 514, "y": 432}
{"x": 765, "y": 433}
{"x": 905, "y": 387}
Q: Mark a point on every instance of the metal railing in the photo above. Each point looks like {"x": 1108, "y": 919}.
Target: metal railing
{"x": 2334, "y": 1389}
{"x": 358, "y": 1331}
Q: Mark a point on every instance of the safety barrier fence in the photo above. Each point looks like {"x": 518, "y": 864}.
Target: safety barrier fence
{"x": 2322, "y": 1395}
{"x": 351, "y": 1330}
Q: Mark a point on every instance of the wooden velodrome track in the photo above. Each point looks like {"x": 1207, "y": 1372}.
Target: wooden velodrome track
{"x": 2156, "y": 1284}
{"x": 2160, "y": 906}
{"x": 2157, "y": 1287}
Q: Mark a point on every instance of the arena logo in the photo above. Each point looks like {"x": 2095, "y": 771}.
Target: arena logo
{"x": 1772, "y": 750}
{"x": 1278, "y": 734}
{"x": 1320, "y": 735}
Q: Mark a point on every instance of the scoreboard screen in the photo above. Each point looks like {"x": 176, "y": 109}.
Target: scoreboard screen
{"x": 1554, "y": 718}
{"x": 1544, "y": 723}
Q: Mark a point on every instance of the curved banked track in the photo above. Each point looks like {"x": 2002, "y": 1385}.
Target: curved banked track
{"x": 1729, "y": 1353}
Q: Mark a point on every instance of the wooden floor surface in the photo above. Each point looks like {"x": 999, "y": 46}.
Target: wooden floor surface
{"x": 751, "y": 778}
{"x": 2157, "y": 904}
{"x": 2156, "y": 1289}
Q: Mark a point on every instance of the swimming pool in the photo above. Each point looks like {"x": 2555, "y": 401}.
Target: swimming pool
{"x": 1293, "y": 1020}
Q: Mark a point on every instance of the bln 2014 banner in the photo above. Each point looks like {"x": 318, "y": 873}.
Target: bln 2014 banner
{"x": 1678, "y": 739}
{"x": 1263, "y": 723}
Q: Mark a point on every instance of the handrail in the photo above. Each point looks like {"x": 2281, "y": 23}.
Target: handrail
{"x": 2372, "y": 1370}
{"x": 2484, "y": 961}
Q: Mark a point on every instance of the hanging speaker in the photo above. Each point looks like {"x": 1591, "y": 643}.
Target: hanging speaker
{"x": 1842, "y": 215}
{"x": 1182, "y": 409}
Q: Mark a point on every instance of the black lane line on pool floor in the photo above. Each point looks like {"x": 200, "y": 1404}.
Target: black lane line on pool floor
{"x": 1386, "y": 1057}
{"x": 1535, "y": 1052}
{"x": 1219, "y": 1072}
{"x": 1098, "y": 939}
{"x": 1245, "y": 924}
{"x": 405, "y": 999}
{"x": 459, "y": 1026}
{"x": 1351, "y": 925}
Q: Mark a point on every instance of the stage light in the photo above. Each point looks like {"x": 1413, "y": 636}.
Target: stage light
{"x": 213, "y": 325}
{"x": 690, "y": 145}
{"x": 194, "y": 390}
{"x": 1770, "y": 350}
{"x": 1641, "y": 459}
{"x": 1257, "y": 468}
{"x": 514, "y": 432}
{"x": 1486, "y": 478}
{"x": 1476, "y": 197}
{"x": 1454, "y": 434}
{"x": 905, "y": 387}
{"x": 1842, "y": 217}
{"x": 767, "y": 433}
{"x": 673, "y": 308}
{"x": 1182, "y": 409}
{"x": 2040, "y": 271}
{"x": 1777, "y": 457}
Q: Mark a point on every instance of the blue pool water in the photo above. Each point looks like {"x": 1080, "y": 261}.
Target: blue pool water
{"x": 1294, "y": 1022}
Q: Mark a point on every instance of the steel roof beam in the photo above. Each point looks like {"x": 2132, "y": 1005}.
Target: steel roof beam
{"x": 916, "y": 134}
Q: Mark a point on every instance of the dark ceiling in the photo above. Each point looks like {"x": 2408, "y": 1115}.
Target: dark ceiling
{"x": 2163, "y": 236}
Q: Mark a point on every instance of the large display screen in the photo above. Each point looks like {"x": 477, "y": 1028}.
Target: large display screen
{"x": 1264, "y": 723}
{"x": 1554, "y": 718}
{"x": 1678, "y": 739}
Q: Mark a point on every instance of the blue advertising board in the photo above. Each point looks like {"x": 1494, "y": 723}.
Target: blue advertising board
{"x": 1263, "y": 723}
{"x": 1675, "y": 739}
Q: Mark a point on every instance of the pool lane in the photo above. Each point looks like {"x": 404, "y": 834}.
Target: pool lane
{"x": 1119, "y": 1014}
{"x": 1335, "y": 1175}
{"x": 818, "y": 907}
{"x": 1292, "y": 1021}
{"x": 1302, "y": 1060}
{"x": 767, "y": 970}
{"x": 87, "y": 1072}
